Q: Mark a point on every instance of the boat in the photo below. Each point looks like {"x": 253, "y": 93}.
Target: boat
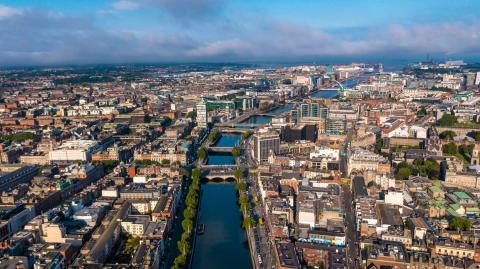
{"x": 201, "y": 229}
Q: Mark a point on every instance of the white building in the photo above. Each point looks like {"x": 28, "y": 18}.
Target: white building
{"x": 74, "y": 150}
{"x": 202, "y": 119}
{"x": 135, "y": 225}
{"x": 394, "y": 198}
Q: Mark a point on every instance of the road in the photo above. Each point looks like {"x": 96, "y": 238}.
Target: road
{"x": 263, "y": 250}
{"x": 348, "y": 205}
{"x": 350, "y": 227}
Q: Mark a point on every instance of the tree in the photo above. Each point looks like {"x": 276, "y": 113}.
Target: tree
{"x": 403, "y": 173}
{"x": 447, "y": 120}
{"x": 422, "y": 112}
{"x": 202, "y": 153}
{"x": 192, "y": 115}
{"x": 247, "y": 134}
{"x": 165, "y": 162}
{"x": 432, "y": 168}
{"x": 448, "y": 135}
{"x": 475, "y": 135}
{"x": 466, "y": 151}
{"x": 187, "y": 225}
{"x": 179, "y": 261}
{"x": 460, "y": 224}
{"x": 131, "y": 245}
{"x": 183, "y": 247}
{"x": 248, "y": 222}
{"x": 239, "y": 174}
{"x": 214, "y": 135}
{"x": 450, "y": 149}
{"x": 196, "y": 173}
{"x": 188, "y": 213}
{"x": 236, "y": 151}
{"x": 184, "y": 172}
{"x": 241, "y": 186}
{"x": 378, "y": 146}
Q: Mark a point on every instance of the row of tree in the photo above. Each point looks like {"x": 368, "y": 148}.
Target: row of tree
{"x": 191, "y": 203}
{"x": 245, "y": 205}
{"x": 17, "y": 137}
{"x": 214, "y": 135}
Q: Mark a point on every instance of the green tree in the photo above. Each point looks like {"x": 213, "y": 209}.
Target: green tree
{"x": 403, "y": 173}
{"x": 447, "y": 120}
{"x": 165, "y": 162}
{"x": 422, "y": 112}
{"x": 247, "y": 134}
{"x": 241, "y": 186}
{"x": 187, "y": 225}
{"x": 192, "y": 115}
{"x": 202, "y": 153}
{"x": 196, "y": 174}
{"x": 214, "y": 135}
{"x": 475, "y": 135}
{"x": 179, "y": 262}
{"x": 378, "y": 145}
{"x": 188, "y": 213}
{"x": 466, "y": 151}
{"x": 432, "y": 169}
{"x": 248, "y": 222}
{"x": 450, "y": 149}
{"x": 460, "y": 224}
{"x": 448, "y": 135}
{"x": 239, "y": 174}
{"x": 183, "y": 247}
{"x": 236, "y": 151}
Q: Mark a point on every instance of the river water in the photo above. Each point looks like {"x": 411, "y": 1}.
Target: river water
{"x": 223, "y": 245}
{"x": 228, "y": 140}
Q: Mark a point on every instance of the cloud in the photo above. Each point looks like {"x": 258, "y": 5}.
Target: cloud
{"x": 125, "y": 5}
{"x": 37, "y": 37}
{"x": 6, "y": 11}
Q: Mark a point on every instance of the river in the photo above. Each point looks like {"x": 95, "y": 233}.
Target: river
{"x": 223, "y": 245}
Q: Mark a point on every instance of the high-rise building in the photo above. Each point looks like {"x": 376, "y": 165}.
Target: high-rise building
{"x": 477, "y": 79}
{"x": 336, "y": 125}
{"x": 309, "y": 112}
{"x": 202, "y": 120}
{"x": 265, "y": 141}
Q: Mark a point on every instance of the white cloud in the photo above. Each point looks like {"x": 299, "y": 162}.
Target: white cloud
{"x": 125, "y": 5}
{"x": 6, "y": 11}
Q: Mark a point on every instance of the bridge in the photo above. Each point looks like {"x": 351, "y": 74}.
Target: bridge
{"x": 220, "y": 149}
{"x": 219, "y": 172}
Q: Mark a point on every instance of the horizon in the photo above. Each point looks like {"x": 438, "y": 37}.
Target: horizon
{"x": 59, "y": 33}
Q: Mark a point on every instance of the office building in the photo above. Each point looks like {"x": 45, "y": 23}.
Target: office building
{"x": 202, "y": 120}
{"x": 266, "y": 141}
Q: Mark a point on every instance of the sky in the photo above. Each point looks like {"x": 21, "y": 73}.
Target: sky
{"x": 56, "y": 32}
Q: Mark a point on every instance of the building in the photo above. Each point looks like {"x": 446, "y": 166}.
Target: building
{"x": 20, "y": 175}
{"x": 202, "y": 117}
{"x": 74, "y": 150}
{"x": 265, "y": 141}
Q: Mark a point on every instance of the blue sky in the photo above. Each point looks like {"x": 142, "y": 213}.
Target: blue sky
{"x": 124, "y": 31}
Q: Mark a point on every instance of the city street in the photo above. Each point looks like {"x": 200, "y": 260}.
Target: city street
{"x": 350, "y": 229}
